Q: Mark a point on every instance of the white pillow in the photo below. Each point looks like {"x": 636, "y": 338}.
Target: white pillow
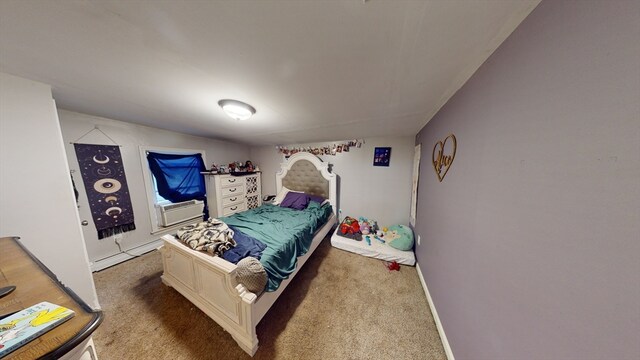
{"x": 281, "y": 195}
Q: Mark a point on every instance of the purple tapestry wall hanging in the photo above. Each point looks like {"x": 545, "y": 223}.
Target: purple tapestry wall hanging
{"x": 106, "y": 187}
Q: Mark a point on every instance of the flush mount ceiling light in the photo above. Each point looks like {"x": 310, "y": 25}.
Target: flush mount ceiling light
{"x": 237, "y": 109}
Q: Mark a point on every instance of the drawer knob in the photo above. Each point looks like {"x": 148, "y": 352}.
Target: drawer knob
{"x": 232, "y": 180}
{"x": 232, "y": 190}
{"x": 234, "y": 199}
{"x": 234, "y": 208}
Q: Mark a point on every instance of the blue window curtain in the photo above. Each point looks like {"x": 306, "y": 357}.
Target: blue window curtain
{"x": 178, "y": 177}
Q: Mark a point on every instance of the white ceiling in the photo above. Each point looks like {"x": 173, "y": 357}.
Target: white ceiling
{"x": 314, "y": 70}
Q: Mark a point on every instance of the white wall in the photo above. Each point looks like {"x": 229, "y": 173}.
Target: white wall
{"x": 381, "y": 193}
{"x": 131, "y": 137}
{"x": 36, "y": 197}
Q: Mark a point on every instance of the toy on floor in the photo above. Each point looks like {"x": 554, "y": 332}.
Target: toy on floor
{"x": 365, "y": 228}
{"x": 400, "y": 237}
{"x": 374, "y": 225}
{"x": 377, "y": 238}
{"x": 349, "y": 228}
{"x": 393, "y": 266}
{"x": 391, "y": 235}
{"x": 368, "y": 240}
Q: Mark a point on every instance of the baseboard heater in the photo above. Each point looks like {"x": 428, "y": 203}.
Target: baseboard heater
{"x": 171, "y": 214}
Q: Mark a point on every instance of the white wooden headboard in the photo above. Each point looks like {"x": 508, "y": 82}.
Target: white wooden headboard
{"x": 307, "y": 173}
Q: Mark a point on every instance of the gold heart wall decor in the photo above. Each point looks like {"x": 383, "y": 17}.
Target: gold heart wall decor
{"x": 442, "y": 162}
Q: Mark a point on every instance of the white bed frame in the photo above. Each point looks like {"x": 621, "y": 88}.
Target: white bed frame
{"x": 210, "y": 282}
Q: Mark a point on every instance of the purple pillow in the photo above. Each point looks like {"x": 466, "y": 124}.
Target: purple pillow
{"x": 317, "y": 198}
{"x": 295, "y": 200}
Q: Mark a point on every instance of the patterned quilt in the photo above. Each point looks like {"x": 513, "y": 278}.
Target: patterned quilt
{"x": 212, "y": 236}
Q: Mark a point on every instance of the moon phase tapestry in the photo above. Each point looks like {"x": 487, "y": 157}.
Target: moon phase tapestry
{"x": 106, "y": 187}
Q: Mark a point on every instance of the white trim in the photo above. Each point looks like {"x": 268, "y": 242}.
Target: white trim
{"x": 148, "y": 180}
{"x": 414, "y": 189}
{"x": 436, "y": 318}
{"x": 120, "y": 257}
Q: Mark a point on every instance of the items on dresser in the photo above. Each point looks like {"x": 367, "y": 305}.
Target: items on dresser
{"x": 228, "y": 194}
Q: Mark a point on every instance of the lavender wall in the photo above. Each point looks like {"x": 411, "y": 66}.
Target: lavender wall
{"x": 531, "y": 244}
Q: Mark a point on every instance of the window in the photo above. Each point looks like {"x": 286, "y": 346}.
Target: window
{"x": 170, "y": 176}
{"x": 178, "y": 176}
{"x": 158, "y": 200}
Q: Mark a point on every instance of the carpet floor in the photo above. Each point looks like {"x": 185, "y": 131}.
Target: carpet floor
{"x": 339, "y": 306}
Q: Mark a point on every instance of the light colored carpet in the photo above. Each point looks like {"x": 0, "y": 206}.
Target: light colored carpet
{"x": 339, "y": 306}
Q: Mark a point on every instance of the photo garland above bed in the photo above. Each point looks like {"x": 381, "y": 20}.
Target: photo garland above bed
{"x": 329, "y": 149}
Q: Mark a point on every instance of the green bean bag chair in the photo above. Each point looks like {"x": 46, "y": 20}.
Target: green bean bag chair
{"x": 402, "y": 237}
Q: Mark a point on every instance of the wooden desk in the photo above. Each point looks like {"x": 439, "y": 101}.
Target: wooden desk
{"x": 35, "y": 283}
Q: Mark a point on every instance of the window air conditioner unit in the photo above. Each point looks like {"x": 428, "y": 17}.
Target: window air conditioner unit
{"x": 178, "y": 212}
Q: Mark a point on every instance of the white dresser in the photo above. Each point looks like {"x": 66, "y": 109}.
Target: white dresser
{"x": 228, "y": 194}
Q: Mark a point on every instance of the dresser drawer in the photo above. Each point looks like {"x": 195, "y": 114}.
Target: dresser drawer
{"x": 234, "y": 190}
{"x": 233, "y": 199}
{"x": 227, "y": 194}
{"x": 229, "y": 180}
{"x": 232, "y": 209}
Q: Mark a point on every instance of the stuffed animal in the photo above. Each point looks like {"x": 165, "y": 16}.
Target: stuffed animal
{"x": 400, "y": 237}
{"x": 374, "y": 225}
{"x": 392, "y": 235}
{"x": 365, "y": 228}
{"x": 355, "y": 227}
{"x": 349, "y": 226}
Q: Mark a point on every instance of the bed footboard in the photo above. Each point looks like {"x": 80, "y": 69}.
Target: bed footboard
{"x": 210, "y": 284}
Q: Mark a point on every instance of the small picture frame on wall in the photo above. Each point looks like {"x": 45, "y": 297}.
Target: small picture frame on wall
{"x": 381, "y": 156}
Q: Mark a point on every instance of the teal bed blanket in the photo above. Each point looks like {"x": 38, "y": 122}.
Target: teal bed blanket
{"x": 286, "y": 232}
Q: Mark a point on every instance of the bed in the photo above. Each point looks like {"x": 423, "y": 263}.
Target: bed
{"x": 211, "y": 283}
